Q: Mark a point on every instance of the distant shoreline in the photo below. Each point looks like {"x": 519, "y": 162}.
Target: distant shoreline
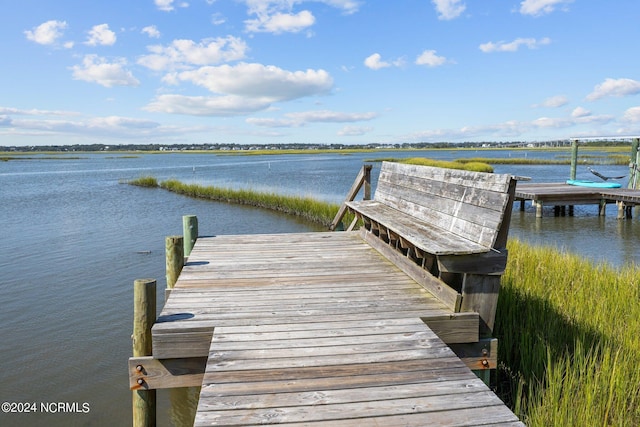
{"x": 305, "y": 148}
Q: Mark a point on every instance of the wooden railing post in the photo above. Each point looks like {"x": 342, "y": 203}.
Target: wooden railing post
{"x": 363, "y": 178}
{"x": 144, "y": 315}
{"x": 190, "y": 232}
{"x": 367, "y": 182}
{"x": 174, "y": 252}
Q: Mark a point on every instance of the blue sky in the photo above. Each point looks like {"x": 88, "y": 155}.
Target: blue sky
{"x": 317, "y": 71}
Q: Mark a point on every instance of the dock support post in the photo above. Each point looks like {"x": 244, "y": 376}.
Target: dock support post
{"x": 602, "y": 211}
{"x": 190, "y": 232}
{"x": 174, "y": 252}
{"x": 574, "y": 158}
{"x": 633, "y": 165}
{"x": 538, "y": 205}
{"x": 144, "y": 315}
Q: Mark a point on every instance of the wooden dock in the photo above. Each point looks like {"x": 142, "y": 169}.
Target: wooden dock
{"x": 319, "y": 329}
{"x": 560, "y": 195}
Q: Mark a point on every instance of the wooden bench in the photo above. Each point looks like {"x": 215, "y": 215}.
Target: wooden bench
{"x": 446, "y": 228}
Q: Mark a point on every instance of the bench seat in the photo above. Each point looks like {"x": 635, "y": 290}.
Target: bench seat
{"x": 421, "y": 234}
{"x": 447, "y": 224}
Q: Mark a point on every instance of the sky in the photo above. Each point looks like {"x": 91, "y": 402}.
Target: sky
{"x": 317, "y": 71}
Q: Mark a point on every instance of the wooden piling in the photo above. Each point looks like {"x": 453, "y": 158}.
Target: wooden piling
{"x": 574, "y": 158}
{"x": 633, "y": 165}
{"x": 174, "y": 252}
{"x": 144, "y": 315}
{"x": 190, "y": 232}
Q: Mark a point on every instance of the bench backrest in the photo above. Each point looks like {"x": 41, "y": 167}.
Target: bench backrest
{"x": 472, "y": 205}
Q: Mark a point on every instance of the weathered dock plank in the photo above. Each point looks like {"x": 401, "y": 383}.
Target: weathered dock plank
{"x": 342, "y": 373}
{"x": 243, "y": 280}
{"x": 319, "y": 328}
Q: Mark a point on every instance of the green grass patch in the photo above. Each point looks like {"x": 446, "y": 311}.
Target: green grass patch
{"x": 264, "y": 152}
{"x": 19, "y": 157}
{"x": 308, "y": 208}
{"x": 144, "y": 181}
{"x": 423, "y": 161}
{"x": 569, "y": 334}
{"x": 610, "y": 159}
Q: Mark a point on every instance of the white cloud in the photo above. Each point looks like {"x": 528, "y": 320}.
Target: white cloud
{"x": 301, "y": 118}
{"x": 95, "y": 69}
{"x": 281, "y": 22}
{"x": 218, "y": 19}
{"x": 151, "y": 31}
{"x": 259, "y": 81}
{"x": 277, "y": 16}
{"x": 553, "y": 102}
{"x": 354, "y": 131}
{"x": 375, "y": 62}
{"x": 348, "y": 6}
{"x": 326, "y": 116}
{"x": 36, "y": 112}
{"x": 540, "y": 7}
{"x": 430, "y": 59}
{"x": 113, "y": 122}
{"x": 514, "y": 45}
{"x": 181, "y": 53}
{"x": 273, "y": 123}
{"x": 270, "y": 6}
{"x": 240, "y": 89}
{"x": 67, "y": 124}
{"x": 165, "y": 5}
{"x": 512, "y": 128}
{"x": 449, "y": 9}
{"x": 549, "y": 122}
{"x": 614, "y": 87}
{"x": 101, "y": 35}
{"x": 207, "y": 105}
{"x": 580, "y": 112}
{"x": 632, "y": 115}
{"x": 46, "y": 33}
{"x": 579, "y": 117}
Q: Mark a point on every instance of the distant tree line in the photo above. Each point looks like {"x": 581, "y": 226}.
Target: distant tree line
{"x": 295, "y": 146}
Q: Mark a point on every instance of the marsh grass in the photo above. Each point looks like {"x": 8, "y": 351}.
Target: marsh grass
{"x": 568, "y": 329}
{"x": 423, "y": 161}
{"x": 304, "y": 207}
{"x": 562, "y": 159}
{"x": 264, "y": 152}
{"x": 307, "y": 208}
{"x": 569, "y": 334}
{"x": 53, "y": 157}
{"x": 144, "y": 181}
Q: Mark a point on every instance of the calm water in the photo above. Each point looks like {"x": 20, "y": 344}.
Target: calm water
{"x": 74, "y": 239}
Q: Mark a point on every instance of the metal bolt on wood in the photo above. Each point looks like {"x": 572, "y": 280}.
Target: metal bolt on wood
{"x": 144, "y": 316}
